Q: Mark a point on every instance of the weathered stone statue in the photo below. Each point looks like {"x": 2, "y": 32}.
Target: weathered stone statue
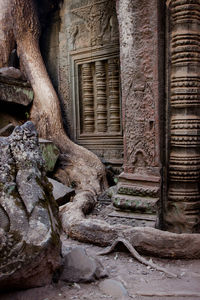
{"x": 29, "y": 230}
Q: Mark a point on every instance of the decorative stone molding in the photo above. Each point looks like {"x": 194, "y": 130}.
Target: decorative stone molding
{"x": 114, "y": 97}
{"x": 183, "y": 205}
{"x": 96, "y": 99}
{"x": 100, "y": 69}
{"x": 87, "y": 98}
{"x": 89, "y": 77}
{"x": 139, "y": 185}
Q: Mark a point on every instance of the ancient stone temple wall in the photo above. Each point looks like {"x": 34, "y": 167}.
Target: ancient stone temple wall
{"x": 89, "y": 77}
{"x": 139, "y": 185}
{"x": 183, "y": 205}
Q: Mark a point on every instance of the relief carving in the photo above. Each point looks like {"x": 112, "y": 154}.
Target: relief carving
{"x": 183, "y": 206}
{"x": 138, "y": 188}
{"x": 100, "y": 21}
{"x": 93, "y": 49}
{"x": 140, "y": 132}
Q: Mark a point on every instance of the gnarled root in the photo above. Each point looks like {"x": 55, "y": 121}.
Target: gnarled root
{"x": 136, "y": 255}
{"x": 145, "y": 240}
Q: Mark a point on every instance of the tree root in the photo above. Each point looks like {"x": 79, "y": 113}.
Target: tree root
{"x": 164, "y": 294}
{"x": 136, "y": 255}
{"x": 145, "y": 240}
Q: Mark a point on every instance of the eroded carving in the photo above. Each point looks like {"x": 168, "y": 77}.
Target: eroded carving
{"x": 29, "y": 231}
{"x": 139, "y": 64}
{"x": 140, "y": 129}
{"x": 100, "y": 21}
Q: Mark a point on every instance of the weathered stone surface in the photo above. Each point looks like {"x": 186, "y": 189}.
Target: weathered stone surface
{"x": 113, "y": 288}
{"x": 87, "y": 31}
{"x": 11, "y": 72}
{"x": 15, "y": 90}
{"x": 29, "y": 230}
{"x": 79, "y": 267}
{"x": 61, "y": 193}
{"x": 50, "y": 154}
{"x": 140, "y": 55}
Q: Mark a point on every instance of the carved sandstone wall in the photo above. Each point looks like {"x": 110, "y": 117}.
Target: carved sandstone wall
{"x": 140, "y": 51}
{"x": 89, "y": 85}
{"x": 183, "y": 205}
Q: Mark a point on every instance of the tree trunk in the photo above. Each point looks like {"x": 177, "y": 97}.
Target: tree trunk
{"x": 79, "y": 165}
{"x": 7, "y": 42}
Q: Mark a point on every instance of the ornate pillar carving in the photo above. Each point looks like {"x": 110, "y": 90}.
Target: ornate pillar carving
{"x": 88, "y": 99}
{"x": 183, "y": 205}
{"x": 140, "y": 52}
{"x": 101, "y": 96}
{"x": 114, "y": 103}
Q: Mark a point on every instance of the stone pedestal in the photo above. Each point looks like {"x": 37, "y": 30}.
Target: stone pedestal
{"x": 141, "y": 61}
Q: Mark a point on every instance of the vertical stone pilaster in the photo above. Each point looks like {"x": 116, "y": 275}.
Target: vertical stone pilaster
{"x": 183, "y": 205}
{"x": 88, "y": 98}
{"x": 101, "y": 96}
{"x": 114, "y": 101}
{"x": 139, "y": 185}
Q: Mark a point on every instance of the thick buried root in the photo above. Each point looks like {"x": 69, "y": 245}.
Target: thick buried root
{"x": 145, "y": 240}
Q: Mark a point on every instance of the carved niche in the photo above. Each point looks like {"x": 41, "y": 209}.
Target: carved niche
{"x": 183, "y": 203}
{"x": 95, "y": 78}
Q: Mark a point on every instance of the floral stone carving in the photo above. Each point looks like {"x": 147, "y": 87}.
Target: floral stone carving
{"x": 29, "y": 230}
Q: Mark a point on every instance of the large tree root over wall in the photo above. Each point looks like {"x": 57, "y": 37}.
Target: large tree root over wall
{"x": 19, "y": 24}
{"x": 78, "y": 165}
{"x": 145, "y": 240}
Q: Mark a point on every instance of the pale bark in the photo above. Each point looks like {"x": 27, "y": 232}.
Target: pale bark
{"x": 6, "y": 34}
{"x": 79, "y": 165}
{"x": 145, "y": 240}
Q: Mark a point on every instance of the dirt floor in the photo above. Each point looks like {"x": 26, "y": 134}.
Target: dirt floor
{"x": 139, "y": 281}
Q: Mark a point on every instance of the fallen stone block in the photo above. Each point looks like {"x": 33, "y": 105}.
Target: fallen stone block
{"x": 79, "y": 267}
{"x": 62, "y": 193}
{"x": 29, "y": 227}
{"x": 15, "y": 90}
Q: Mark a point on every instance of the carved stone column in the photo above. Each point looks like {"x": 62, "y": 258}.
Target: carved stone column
{"x": 101, "y": 96}
{"x": 88, "y": 98}
{"x": 183, "y": 205}
{"x": 114, "y": 103}
{"x": 139, "y": 184}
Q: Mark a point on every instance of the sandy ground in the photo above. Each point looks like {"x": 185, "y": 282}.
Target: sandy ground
{"x": 140, "y": 281}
